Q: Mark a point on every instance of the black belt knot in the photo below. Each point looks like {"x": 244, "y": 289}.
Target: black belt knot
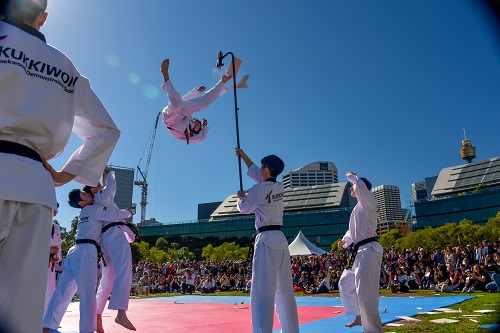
{"x": 352, "y": 256}
{"x": 15, "y": 148}
{"x": 98, "y": 248}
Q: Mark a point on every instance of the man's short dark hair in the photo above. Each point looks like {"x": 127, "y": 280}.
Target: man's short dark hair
{"x": 25, "y": 10}
{"x": 367, "y": 183}
{"x": 274, "y": 164}
{"x": 74, "y": 198}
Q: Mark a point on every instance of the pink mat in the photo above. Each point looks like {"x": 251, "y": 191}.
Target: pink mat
{"x": 155, "y": 317}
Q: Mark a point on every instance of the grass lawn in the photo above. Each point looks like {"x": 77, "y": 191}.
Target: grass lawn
{"x": 479, "y": 302}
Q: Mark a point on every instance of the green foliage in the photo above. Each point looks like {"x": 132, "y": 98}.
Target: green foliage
{"x": 390, "y": 238}
{"x": 465, "y": 232}
{"x": 68, "y": 238}
{"x": 226, "y": 251}
{"x": 161, "y": 244}
{"x": 160, "y": 253}
{"x": 335, "y": 245}
{"x": 157, "y": 255}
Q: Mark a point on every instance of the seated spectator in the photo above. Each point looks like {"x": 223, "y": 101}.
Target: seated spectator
{"x": 208, "y": 285}
{"x": 458, "y": 281}
{"x": 175, "y": 285}
{"x": 323, "y": 285}
{"x": 415, "y": 278}
{"x": 224, "y": 283}
{"x": 401, "y": 282}
{"x": 145, "y": 282}
{"x": 425, "y": 258}
{"x": 478, "y": 279}
{"x": 428, "y": 278}
{"x": 334, "y": 280}
{"x": 442, "y": 281}
{"x": 391, "y": 277}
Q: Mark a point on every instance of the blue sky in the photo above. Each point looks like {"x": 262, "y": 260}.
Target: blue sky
{"x": 379, "y": 87}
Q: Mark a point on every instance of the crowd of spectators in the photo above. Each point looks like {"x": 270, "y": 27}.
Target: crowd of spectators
{"x": 464, "y": 268}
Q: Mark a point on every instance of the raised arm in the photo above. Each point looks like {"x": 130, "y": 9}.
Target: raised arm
{"x": 241, "y": 154}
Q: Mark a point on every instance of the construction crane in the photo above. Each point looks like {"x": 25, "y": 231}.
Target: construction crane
{"x": 144, "y": 182}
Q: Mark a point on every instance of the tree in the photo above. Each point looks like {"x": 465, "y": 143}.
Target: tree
{"x": 390, "y": 238}
{"x": 335, "y": 245}
{"x": 157, "y": 255}
{"x": 68, "y": 238}
{"x": 161, "y": 244}
{"x": 226, "y": 251}
{"x": 493, "y": 226}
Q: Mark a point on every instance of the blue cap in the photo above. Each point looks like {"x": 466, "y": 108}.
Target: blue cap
{"x": 274, "y": 163}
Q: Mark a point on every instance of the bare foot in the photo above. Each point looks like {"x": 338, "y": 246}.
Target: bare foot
{"x": 225, "y": 78}
{"x": 164, "y": 69}
{"x": 100, "y": 329}
{"x": 122, "y": 319}
{"x": 356, "y": 322}
{"x": 201, "y": 88}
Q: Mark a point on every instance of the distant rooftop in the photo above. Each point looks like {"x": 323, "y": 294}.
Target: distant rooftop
{"x": 467, "y": 177}
{"x": 316, "y": 197}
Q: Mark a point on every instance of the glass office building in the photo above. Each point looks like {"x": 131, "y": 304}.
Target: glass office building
{"x": 321, "y": 212}
{"x": 321, "y": 227}
{"x": 470, "y": 191}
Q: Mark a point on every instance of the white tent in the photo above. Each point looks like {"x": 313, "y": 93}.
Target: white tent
{"x": 301, "y": 246}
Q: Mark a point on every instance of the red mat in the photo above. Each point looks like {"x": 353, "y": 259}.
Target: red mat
{"x": 156, "y": 317}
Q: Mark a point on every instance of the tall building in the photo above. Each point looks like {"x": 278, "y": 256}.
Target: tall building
{"x": 389, "y": 202}
{"x": 124, "y": 186}
{"x": 317, "y": 173}
{"x": 423, "y": 190}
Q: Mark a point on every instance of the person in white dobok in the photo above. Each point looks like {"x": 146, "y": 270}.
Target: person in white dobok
{"x": 55, "y": 256}
{"x": 115, "y": 246}
{"x": 80, "y": 267}
{"x": 43, "y": 99}
{"x": 359, "y": 284}
{"x": 272, "y": 283}
{"x": 178, "y": 114}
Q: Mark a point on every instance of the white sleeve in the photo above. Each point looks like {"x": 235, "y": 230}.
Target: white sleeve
{"x": 254, "y": 173}
{"x": 108, "y": 193}
{"x": 364, "y": 196}
{"x": 193, "y": 93}
{"x": 99, "y": 133}
{"x": 249, "y": 203}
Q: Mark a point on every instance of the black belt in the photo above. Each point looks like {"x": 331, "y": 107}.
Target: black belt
{"x": 252, "y": 239}
{"x": 15, "y": 148}
{"x": 269, "y": 227}
{"x": 352, "y": 256}
{"x": 114, "y": 224}
{"x": 91, "y": 241}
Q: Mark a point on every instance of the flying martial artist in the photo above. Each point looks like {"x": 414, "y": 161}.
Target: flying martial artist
{"x": 359, "y": 283}
{"x": 115, "y": 242}
{"x": 178, "y": 114}
{"x": 55, "y": 256}
{"x": 272, "y": 283}
{"x": 80, "y": 266}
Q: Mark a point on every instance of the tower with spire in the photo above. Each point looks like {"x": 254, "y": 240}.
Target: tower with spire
{"x": 468, "y": 152}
